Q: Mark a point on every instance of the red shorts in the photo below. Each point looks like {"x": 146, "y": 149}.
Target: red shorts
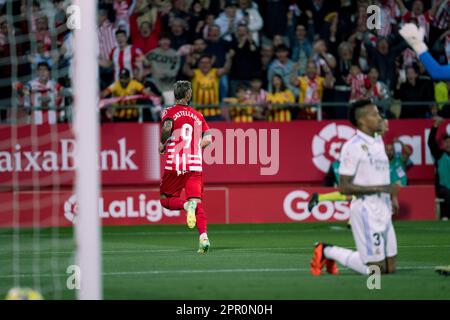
{"x": 172, "y": 184}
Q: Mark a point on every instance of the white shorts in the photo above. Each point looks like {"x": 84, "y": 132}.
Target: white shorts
{"x": 374, "y": 234}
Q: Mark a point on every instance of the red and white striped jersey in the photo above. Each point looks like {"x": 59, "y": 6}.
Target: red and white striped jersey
{"x": 38, "y": 94}
{"x": 106, "y": 39}
{"x": 125, "y": 58}
{"x": 184, "y": 152}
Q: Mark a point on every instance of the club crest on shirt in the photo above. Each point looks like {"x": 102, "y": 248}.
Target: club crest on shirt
{"x": 365, "y": 148}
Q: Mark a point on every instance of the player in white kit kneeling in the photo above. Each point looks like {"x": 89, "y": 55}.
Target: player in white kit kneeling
{"x": 364, "y": 172}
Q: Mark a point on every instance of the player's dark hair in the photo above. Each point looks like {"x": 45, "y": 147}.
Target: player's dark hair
{"x": 205, "y": 55}
{"x": 354, "y": 107}
{"x": 43, "y": 64}
{"x": 283, "y": 85}
{"x": 181, "y": 88}
{"x": 119, "y": 31}
{"x": 165, "y": 35}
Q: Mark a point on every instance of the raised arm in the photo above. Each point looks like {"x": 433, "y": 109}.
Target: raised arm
{"x": 228, "y": 63}
{"x": 187, "y": 70}
{"x": 436, "y": 71}
{"x": 432, "y": 143}
{"x": 402, "y": 7}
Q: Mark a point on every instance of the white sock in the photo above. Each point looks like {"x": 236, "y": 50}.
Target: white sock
{"x": 203, "y": 236}
{"x": 346, "y": 257}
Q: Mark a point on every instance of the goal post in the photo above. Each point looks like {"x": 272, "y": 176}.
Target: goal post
{"x": 86, "y": 128}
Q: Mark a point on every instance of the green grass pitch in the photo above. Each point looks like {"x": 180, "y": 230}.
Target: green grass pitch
{"x": 247, "y": 261}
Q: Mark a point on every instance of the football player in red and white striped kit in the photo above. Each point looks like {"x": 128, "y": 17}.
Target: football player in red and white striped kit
{"x": 184, "y": 134}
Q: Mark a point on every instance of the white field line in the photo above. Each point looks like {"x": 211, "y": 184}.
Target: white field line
{"x": 157, "y": 233}
{"x": 151, "y": 272}
{"x": 227, "y": 249}
{"x": 218, "y": 249}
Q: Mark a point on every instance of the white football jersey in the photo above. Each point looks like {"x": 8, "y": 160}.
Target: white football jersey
{"x": 364, "y": 157}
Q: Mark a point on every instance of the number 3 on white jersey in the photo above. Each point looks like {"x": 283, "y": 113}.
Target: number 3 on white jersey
{"x": 186, "y": 134}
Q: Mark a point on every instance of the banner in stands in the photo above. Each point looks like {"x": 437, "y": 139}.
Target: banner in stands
{"x": 230, "y": 204}
{"x": 299, "y": 151}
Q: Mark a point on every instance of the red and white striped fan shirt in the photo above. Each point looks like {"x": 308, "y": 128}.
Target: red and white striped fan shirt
{"x": 184, "y": 152}
{"x": 106, "y": 39}
{"x": 125, "y": 58}
{"x": 42, "y": 95}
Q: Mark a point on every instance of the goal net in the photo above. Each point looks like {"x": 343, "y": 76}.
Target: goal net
{"x": 49, "y": 225}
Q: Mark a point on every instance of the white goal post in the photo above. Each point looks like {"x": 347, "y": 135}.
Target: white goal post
{"x": 86, "y": 127}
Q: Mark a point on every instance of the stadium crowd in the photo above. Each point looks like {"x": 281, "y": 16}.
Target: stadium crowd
{"x": 273, "y": 60}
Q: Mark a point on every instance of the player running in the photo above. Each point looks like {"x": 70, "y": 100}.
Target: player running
{"x": 364, "y": 172}
{"x": 184, "y": 134}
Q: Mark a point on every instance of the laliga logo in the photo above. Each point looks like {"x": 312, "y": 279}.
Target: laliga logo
{"x": 326, "y": 146}
{"x": 295, "y": 206}
{"x": 70, "y": 209}
{"x": 129, "y": 207}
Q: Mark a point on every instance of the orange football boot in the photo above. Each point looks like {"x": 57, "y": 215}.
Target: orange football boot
{"x": 318, "y": 260}
{"x": 331, "y": 266}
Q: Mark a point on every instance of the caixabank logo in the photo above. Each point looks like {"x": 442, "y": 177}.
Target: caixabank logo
{"x": 326, "y": 145}
{"x": 127, "y": 207}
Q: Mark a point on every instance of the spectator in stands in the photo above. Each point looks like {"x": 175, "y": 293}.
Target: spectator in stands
{"x": 146, "y": 40}
{"x": 178, "y": 33}
{"x": 204, "y": 29}
{"x": 441, "y": 21}
{"x": 376, "y": 90}
{"x": 311, "y": 87}
{"x": 164, "y": 63}
{"x": 441, "y": 94}
{"x": 257, "y": 96}
{"x": 267, "y": 57}
{"x": 275, "y": 11}
{"x": 300, "y": 41}
{"x": 106, "y": 36}
{"x": 322, "y": 58}
{"x": 197, "y": 19}
{"x": 442, "y": 48}
{"x": 417, "y": 14}
{"x": 124, "y": 56}
{"x": 122, "y": 88}
{"x": 41, "y": 55}
{"x": 414, "y": 90}
{"x": 42, "y": 32}
{"x": 245, "y": 60}
{"x": 383, "y": 58}
{"x": 228, "y": 20}
{"x": 205, "y": 84}
{"x": 218, "y": 48}
{"x": 239, "y": 107}
{"x": 279, "y": 98}
{"x": 347, "y": 55}
{"x": 356, "y": 80}
{"x": 442, "y": 161}
{"x": 398, "y": 154}
{"x": 282, "y": 66}
{"x": 123, "y": 9}
{"x": 196, "y": 50}
{"x": 251, "y": 18}
{"x": 42, "y": 97}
